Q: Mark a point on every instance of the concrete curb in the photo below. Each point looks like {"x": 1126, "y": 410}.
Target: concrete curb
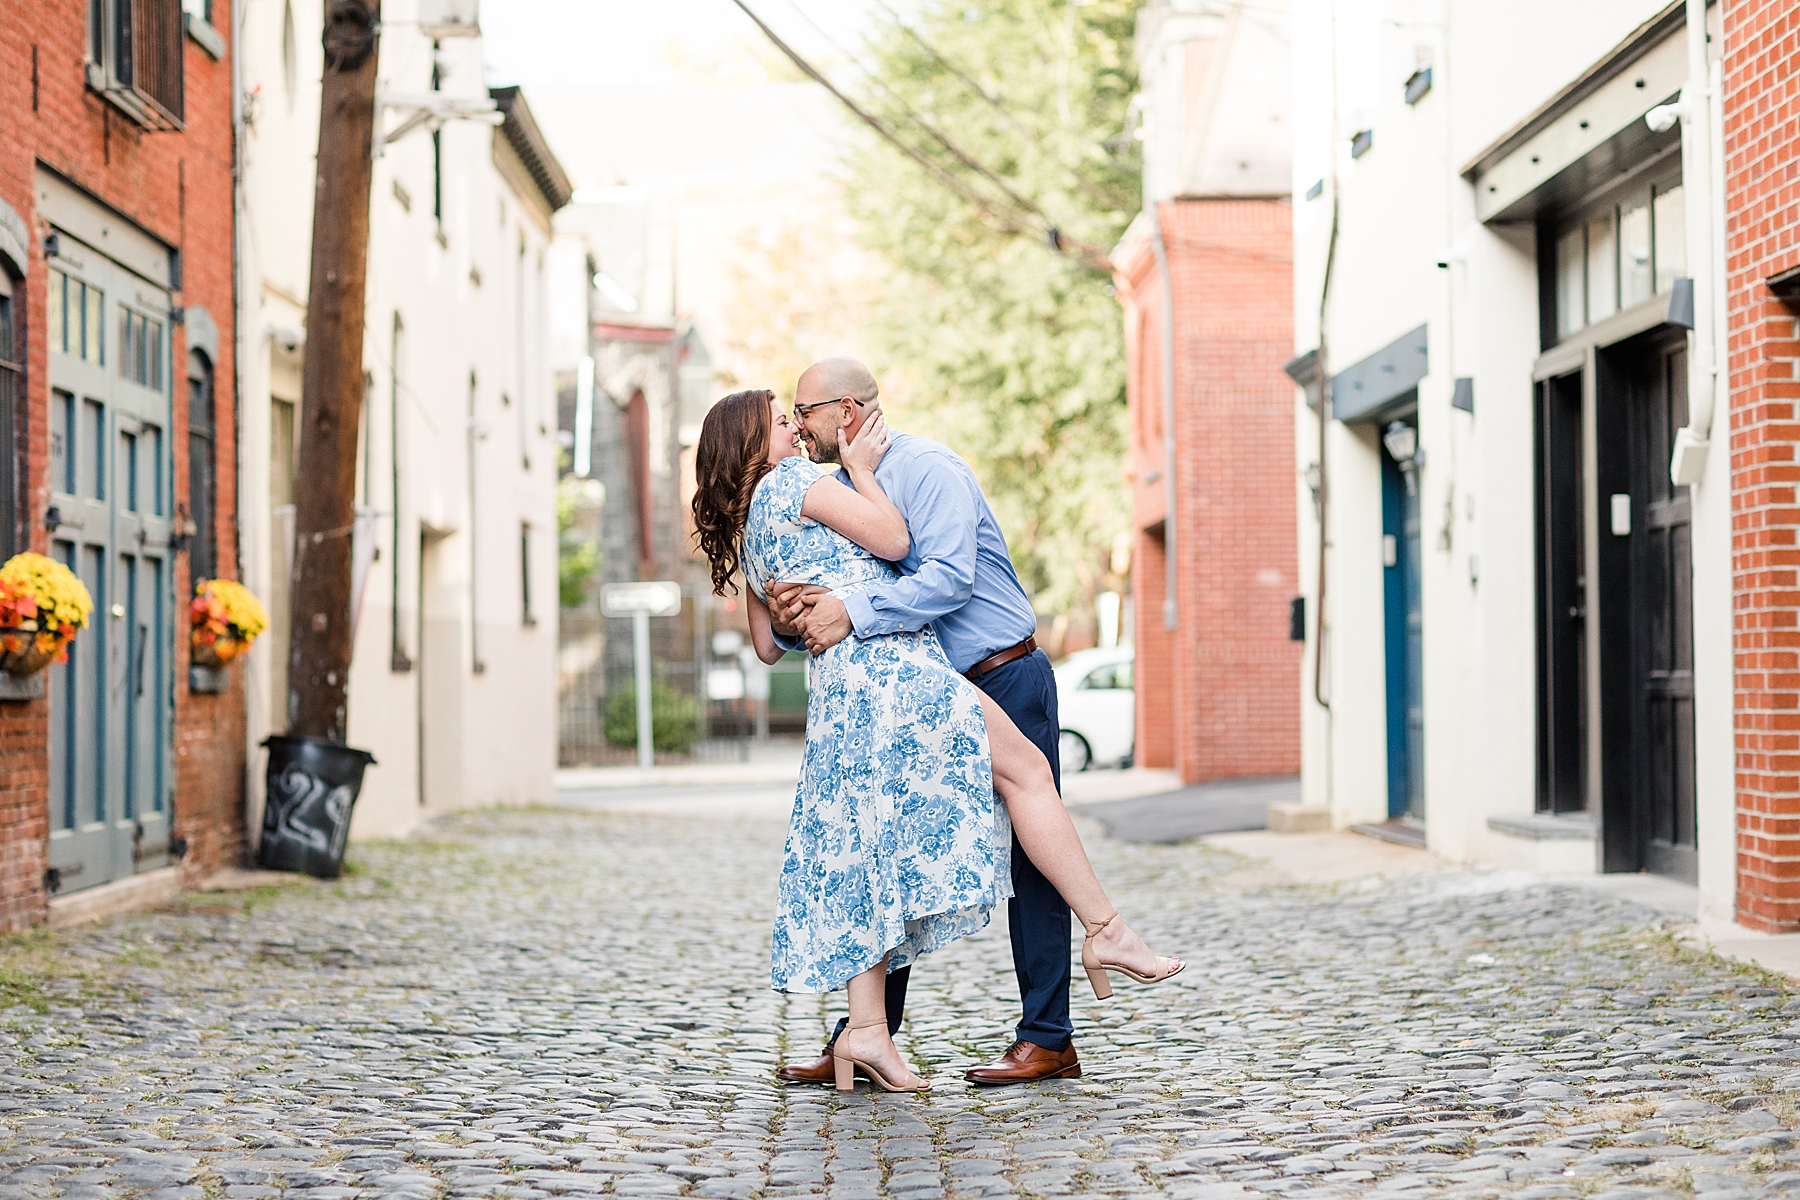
{"x": 587, "y": 779}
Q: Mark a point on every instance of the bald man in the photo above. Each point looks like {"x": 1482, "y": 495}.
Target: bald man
{"x": 957, "y": 577}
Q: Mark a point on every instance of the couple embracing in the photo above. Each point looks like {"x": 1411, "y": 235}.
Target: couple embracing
{"x": 929, "y": 785}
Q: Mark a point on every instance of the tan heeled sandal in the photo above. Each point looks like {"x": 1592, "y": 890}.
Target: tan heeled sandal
{"x": 846, "y": 1067}
{"x": 1096, "y": 970}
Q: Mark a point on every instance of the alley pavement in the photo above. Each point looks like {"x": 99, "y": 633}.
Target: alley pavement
{"x": 575, "y": 1003}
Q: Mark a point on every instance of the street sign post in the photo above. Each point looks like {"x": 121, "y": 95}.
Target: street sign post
{"x": 641, "y": 601}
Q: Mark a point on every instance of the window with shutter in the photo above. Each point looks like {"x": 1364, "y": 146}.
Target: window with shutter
{"x": 12, "y": 358}
{"x": 134, "y": 58}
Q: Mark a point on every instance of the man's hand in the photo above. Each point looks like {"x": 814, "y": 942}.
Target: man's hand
{"x": 787, "y": 615}
{"x": 827, "y": 621}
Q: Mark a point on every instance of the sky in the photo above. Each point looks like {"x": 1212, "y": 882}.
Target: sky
{"x": 685, "y": 104}
{"x": 676, "y": 89}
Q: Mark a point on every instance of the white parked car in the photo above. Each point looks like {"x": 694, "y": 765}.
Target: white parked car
{"x": 1097, "y": 707}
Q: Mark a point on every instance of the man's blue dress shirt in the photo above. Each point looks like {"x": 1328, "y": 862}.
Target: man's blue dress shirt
{"x": 957, "y": 573}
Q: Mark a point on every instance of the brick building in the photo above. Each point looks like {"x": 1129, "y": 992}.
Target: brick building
{"x": 1216, "y": 674}
{"x": 1762, "y": 160}
{"x": 116, "y": 451}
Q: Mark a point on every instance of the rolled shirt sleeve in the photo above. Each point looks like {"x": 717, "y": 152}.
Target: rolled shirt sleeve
{"x": 943, "y": 519}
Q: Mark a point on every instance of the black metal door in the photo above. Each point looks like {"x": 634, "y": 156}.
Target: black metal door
{"x": 1561, "y": 599}
{"x": 1647, "y": 656}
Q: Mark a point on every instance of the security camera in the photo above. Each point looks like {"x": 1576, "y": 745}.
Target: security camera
{"x": 286, "y": 338}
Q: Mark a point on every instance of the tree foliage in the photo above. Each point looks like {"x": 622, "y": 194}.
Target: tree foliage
{"x": 988, "y": 340}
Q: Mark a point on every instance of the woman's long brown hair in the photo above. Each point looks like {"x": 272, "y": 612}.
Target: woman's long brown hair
{"x": 731, "y": 459}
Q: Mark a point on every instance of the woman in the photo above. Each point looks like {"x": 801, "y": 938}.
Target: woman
{"x": 896, "y": 846}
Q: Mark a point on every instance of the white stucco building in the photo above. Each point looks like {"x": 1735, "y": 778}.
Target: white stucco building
{"x": 1522, "y": 649}
{"x": 453, "y": 678}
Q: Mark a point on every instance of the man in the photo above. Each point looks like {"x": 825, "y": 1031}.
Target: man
{"x": 959, "y": 578}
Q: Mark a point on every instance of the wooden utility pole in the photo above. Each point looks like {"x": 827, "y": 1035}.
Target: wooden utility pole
{"x": 332, "y": 391}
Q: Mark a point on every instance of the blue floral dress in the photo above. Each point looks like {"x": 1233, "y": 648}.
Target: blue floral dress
{"x": 897, "y": 844}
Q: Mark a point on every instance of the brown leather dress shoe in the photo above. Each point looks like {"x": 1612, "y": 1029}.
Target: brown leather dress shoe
{"x": 819, "y": 1071}
{"x": 1026, "y": 1063}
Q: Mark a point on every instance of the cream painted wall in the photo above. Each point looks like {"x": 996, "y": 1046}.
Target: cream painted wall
{"x": 482, "y": 687}
{"x": 1498, "y": 309}
{"x": 1403, "y": 208}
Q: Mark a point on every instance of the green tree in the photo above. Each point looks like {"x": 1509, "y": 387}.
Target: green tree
{"x": 987, "y": 339}
{"x": 577, "y": 550}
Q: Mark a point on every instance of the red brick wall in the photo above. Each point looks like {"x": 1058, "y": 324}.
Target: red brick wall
{"x": 177, "y": 185}
{"x": 1762, "y": 184}
{"x": 1218, "y": 697}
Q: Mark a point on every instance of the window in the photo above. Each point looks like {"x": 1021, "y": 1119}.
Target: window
{"x": 203, "y": 466}
{"x": 75, "y": 313}
{"x": 398, "y": 660}
{"x": 437, "y": 154}
{"x": 1113, "y": 676}
{"x": 476, "y": 665}
{"x": 290, "y": 56}
{"x": 1617, "y": 254}
{"x": 12, "y": 372}
{"x": 134, "y": 57}
{"x": 140, "y": 349}
{"x": 527, "y": 618}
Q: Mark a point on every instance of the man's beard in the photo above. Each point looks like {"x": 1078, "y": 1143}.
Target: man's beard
{"x": 821, "y": 453}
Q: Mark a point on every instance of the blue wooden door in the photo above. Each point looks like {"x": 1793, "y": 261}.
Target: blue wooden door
{"x": 111, "y": 487}
{"x": 1404, "y": 642}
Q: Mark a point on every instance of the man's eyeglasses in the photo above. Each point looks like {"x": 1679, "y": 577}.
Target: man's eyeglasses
{"x": 800, "y": 410}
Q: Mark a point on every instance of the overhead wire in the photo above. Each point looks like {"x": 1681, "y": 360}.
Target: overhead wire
{"x": 946, "y": 63}
{"x": 1010, "y": 223}
{"x": 1013, "y": 118}
{"x": 936, "y": 134}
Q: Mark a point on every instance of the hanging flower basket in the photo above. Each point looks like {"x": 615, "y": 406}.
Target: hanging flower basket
{"x": 226, "y": 619}
{"x": 42, "y": 606}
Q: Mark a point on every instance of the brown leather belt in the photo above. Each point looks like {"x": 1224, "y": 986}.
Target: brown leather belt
{"x": 994, "y": 662}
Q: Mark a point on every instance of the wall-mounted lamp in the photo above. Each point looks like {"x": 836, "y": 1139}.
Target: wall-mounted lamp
{"x": 1663, "y": 117}
{"x": 1402, "y": 442}
{"x": 1314, "y": 479}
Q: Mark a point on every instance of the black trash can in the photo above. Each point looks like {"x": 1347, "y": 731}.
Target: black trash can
{"x": 313, "y": 786}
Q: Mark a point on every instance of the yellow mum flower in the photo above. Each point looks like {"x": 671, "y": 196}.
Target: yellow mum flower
{"x": 39, "y": 592}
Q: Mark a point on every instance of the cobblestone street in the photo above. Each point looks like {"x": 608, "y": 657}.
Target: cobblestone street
{"x": 573, "y": 1003}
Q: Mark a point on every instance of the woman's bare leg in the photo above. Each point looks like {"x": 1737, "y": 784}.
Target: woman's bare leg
{"x": 1022, "y": 777}
{"x": 868, "y": 1009}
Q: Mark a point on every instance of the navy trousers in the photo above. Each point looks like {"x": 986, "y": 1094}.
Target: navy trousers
{"x": 1036, "y": 916}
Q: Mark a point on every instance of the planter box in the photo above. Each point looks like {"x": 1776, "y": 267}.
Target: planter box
{"x": 20, "y": 688}
{"x": 208, "y": 680}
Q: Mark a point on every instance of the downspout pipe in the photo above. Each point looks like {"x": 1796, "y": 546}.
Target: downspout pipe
{"x": 252, "y": 793}
{"x": 1171, "y": 576}
{"x": 1700, "y": 187}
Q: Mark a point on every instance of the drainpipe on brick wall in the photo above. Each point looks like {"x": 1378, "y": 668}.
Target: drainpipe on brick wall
{"x": 1703, "y": 196}
{"x": 252, "y": 830}
{"x": 237, "y": 275}
{"x": 1323, "y": 496}
{"x": 1170, "y": 492}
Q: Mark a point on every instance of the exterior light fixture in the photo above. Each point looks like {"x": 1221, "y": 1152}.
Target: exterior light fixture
{"x": 1402, "y": 442}
{"x": 615, "y": 295}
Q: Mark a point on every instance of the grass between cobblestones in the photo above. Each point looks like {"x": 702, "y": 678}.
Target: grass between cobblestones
{"x": 543, "y": 1002}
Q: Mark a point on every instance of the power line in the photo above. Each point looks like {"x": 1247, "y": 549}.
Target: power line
{"x": 1053, "y": 236}
{"x": 1030, "y": 129}
{"x": 937, "y": 134}
{"x": 946, "y": 63}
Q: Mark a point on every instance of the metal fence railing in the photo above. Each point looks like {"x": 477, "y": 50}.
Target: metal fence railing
{"x": 711, "y": 699}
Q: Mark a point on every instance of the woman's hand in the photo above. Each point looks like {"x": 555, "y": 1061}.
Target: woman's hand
{"x": 864, "y": 452}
